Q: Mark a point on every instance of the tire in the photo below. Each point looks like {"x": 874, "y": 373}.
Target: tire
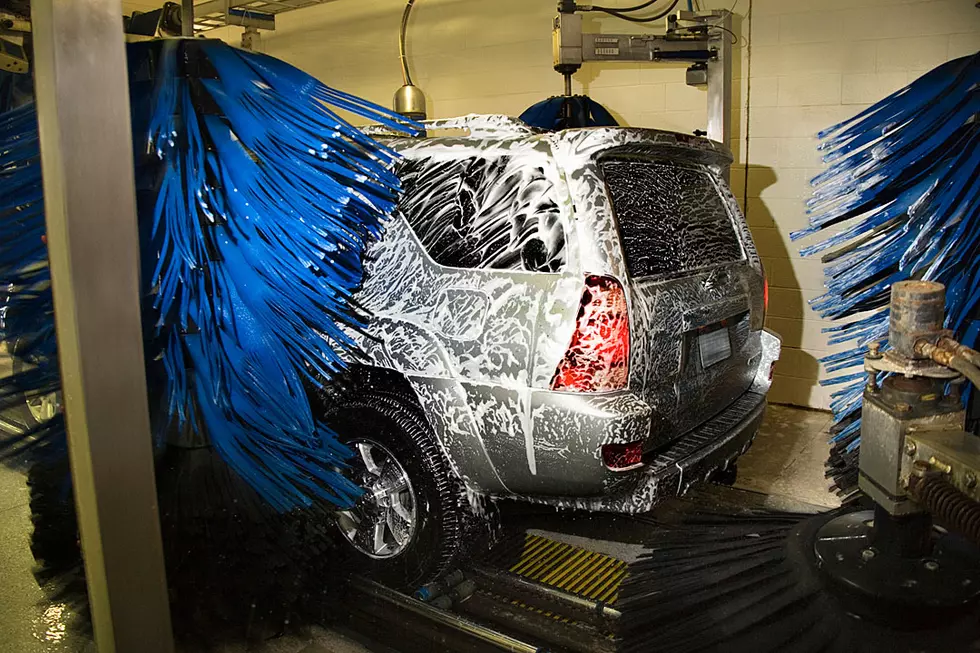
{"x": 55, "y": 539}
{"x": 393, "y": 426}
{"x": 28, "y": 415}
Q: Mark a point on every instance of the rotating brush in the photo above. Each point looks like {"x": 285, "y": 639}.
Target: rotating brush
{"x": 749, "y": 582}
{"x": 567, "y": 112}
{"x": 902, "y": 195}
{"x": 256, "y": 202}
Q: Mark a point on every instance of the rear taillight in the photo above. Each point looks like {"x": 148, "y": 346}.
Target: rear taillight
{"x": 597, "y": 358}
{"x": 622, "y": 457}
{"x": 758, "y": 320}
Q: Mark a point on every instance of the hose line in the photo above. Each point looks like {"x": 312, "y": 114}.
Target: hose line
{"x": 971, "y": 355}
{"x": 406, "y": 77}
{"x": 632, "y": 19}
{"x": 963, "y": 366}
{"x": 625, "y": 10}
{"x": 951, "y": 355}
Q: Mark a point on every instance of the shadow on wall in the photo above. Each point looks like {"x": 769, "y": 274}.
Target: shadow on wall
{"x": 798, "y": 371}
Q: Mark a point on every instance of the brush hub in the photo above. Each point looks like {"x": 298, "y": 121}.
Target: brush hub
{"x": 897, "y": 569}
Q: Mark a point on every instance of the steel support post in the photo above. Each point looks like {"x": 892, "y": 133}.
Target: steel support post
{"x": 720, "y": 83}
{"x": 187, "y": 17}
{"x": 89, "y": 197}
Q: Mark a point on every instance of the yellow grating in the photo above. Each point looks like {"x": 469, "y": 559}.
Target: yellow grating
{"x": 573, "y": 569}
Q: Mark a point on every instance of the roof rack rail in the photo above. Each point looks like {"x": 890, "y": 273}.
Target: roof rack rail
{"x": 475, "y": 123}
{"x": 483, "y": 124}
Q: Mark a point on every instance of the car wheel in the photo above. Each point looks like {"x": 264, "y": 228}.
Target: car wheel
{"x": 407, "y": 526}
{"x": 54, "y": 540}
{"x": 35, "y": 410}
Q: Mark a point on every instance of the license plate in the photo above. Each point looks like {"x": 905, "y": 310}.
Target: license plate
{"x": 714, "y": 347}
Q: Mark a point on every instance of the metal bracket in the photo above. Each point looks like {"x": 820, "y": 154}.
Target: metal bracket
{"x": 13, "y": 24}
{"x": 892, "y": 362}
{"x": 705, "y": 44}
{"x": 12, "y": 57}
{"x": 886, "y": 451}
{"x": 260, "y": 14}
{"x": 953, "y": 453}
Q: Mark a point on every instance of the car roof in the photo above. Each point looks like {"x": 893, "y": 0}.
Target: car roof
{"x": 484, "y": 132}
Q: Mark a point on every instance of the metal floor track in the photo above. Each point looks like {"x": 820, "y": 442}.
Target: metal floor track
{"x": 529, "y": 594}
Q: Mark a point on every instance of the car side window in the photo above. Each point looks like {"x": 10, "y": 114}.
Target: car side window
{"x": 500, "y": 213}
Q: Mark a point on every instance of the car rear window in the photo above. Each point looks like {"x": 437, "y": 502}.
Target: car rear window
{"x": 672, "y": 218}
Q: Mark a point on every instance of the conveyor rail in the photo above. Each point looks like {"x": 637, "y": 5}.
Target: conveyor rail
{"x": 530, "y": 594}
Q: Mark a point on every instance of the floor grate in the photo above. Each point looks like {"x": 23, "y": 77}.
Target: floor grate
{"x": 575, "y": 570}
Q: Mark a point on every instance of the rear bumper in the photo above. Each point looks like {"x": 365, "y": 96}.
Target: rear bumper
{"x": 569, "y": 429}
{"x": 673, "y": 470}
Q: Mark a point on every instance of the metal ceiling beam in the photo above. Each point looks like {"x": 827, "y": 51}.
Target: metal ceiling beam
{"x": 90, "y": 205}
{"x": 259, "y": 14}
{"x": 187, "y": 17}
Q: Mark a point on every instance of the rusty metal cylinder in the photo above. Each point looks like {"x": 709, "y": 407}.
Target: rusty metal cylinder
{"x": 917, "y": 312}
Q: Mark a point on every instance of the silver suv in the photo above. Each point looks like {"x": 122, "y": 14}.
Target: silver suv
{"x": 571, "y": 318}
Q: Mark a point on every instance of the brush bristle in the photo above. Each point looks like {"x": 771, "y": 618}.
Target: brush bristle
{"x": 902, "y": 198}
{"x": 751, "y": 583}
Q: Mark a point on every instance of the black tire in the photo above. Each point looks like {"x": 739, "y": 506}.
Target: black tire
{"x": 54, "y": 540}
{"x": 20, "y": 416}
{"x": 442, "y": 509}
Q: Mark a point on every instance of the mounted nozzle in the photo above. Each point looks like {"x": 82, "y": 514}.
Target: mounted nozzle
{"x": 409, "y": 100}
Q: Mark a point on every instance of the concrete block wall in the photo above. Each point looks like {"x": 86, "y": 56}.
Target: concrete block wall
{"x": 800, "y": 66}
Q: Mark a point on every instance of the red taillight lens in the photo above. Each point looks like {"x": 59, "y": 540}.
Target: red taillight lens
{"x": 621, "y": 457}
{"x": 598, "y": 356}
{"x": 758, "y": 319}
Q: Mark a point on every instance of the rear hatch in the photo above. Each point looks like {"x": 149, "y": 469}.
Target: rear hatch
{"x": 691, "y": 287}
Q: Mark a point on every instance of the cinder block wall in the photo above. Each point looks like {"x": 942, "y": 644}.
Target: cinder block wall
{"x": 800, "y": 66}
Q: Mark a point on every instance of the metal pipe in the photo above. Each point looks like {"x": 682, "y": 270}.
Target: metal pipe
{"x": 406, "y": 76}
{"x": 409, "y": 99}
{"x": 396, "y": 600}
{"x": 547, "y": 598}
{"x": 187, "y": 17}
{"x": 539, "y": 626}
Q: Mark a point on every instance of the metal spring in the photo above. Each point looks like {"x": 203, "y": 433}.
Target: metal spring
{"x": 951, "y": 507}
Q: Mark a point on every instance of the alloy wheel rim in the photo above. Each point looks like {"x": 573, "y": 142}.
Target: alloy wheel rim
{"x": 382, "y": 522}
{"x": 44, "y": 407}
